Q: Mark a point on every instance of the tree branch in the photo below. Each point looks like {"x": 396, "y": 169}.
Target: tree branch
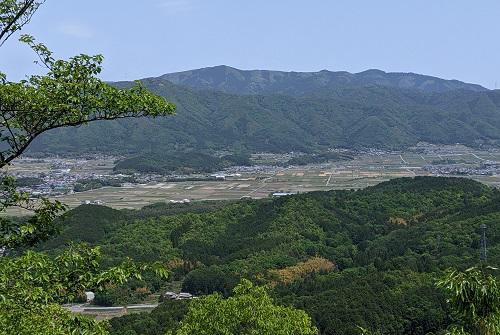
{"x": 7, "y": 30}
{"x": 16, "y": 153}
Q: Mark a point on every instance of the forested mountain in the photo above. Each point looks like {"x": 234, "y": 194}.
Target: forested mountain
{"x": 375, "y": 116}
{"x": 230, "y": 80}
{"x": 369, "y": 257}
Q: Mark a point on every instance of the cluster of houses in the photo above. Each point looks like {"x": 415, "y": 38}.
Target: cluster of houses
{"x": 55, "y": 182}
{"x": 179, "y": 296}
{"x": 485, "y": 169}
{"x": 60, "y": 179}
{"x": 281, "y": 194}
{"x": 93, "y": 202}
{"x": 183, "y": 201}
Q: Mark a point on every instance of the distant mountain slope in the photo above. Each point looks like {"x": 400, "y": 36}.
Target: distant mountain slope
{"x": 375, "y": 116}
{"x": 230, "y": 80}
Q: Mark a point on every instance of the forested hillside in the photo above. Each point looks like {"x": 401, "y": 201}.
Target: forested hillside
{"x": 369, "y": 257}
{"x": 374, "y": 116}
{"x": 179, "y": 162}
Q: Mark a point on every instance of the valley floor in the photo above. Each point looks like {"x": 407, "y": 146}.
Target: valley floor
{"x": 367, "y": 168}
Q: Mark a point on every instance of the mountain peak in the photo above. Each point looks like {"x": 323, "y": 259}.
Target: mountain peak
{"x": 372, "y": 71}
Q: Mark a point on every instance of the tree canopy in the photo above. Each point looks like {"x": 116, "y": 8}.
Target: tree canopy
{"x": 250, "y": 311}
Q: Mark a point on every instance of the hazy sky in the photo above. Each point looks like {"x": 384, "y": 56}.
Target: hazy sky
{"x": 453, "y": 39}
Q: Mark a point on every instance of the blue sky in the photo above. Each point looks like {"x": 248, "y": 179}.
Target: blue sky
{"x": 453, "y": 39}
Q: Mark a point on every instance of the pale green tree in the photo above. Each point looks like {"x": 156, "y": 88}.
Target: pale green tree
{"x": 34, "y": 285}
{"x": 250, "y": 311}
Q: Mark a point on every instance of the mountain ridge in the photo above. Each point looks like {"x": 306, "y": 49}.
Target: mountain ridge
{"x": 254, "y": 82}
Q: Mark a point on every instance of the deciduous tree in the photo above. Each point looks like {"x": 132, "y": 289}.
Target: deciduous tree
{"x": 249, "y": 311}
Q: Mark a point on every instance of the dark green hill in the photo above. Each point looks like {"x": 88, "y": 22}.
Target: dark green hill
{"x": 382, "y": 117}
{"x": 179, "y": 162}
{"x": 86, "y": 223}
{"x": 230, "y": 80}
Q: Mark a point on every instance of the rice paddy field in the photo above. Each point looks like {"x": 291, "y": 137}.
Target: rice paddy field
{"x": 364, "y": 170}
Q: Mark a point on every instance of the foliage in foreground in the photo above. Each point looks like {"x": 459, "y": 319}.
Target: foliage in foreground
{"x": 249, "y": 311}
{"x": 14, "y": 14}
{"x": 32, "y": 285}
{"x": 475, "y": 300}
{"x": 46, "y": 319}
{"x": 69, "y": 94}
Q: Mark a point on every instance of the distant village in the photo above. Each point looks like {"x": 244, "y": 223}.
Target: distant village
{"x": 487, "y": 168}
{"x": 55, "y": 176}
{"x": 59, "y": 178}
{"x": 63, "y": 176}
